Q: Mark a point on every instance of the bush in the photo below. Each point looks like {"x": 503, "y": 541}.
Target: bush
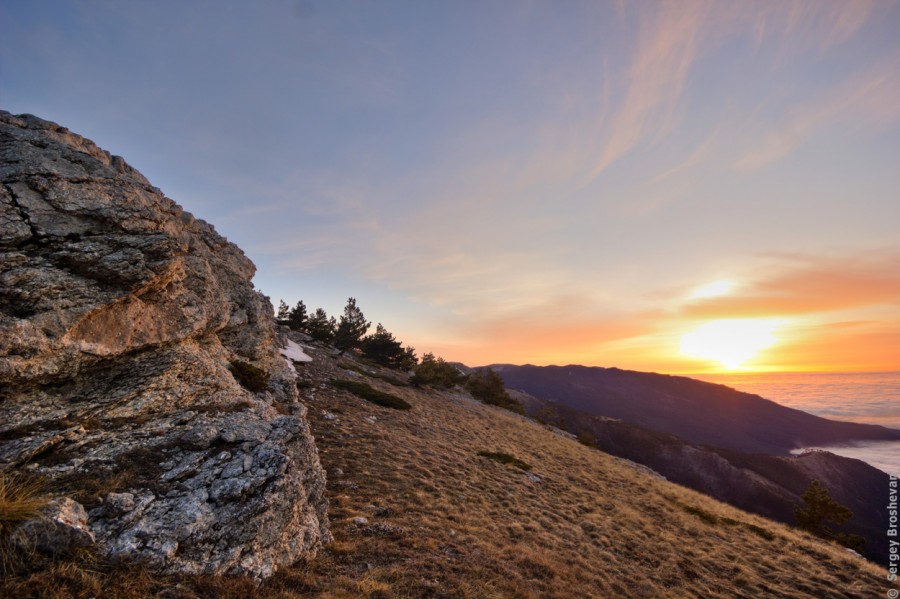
{"x": 371, "y": 394}
{"x": 436, "y": 372}
{"x": 505, "y": 458}
{"x": 487, "y": 386}
{"x": 250, "y": 377}
{"x": 375, "y": 375}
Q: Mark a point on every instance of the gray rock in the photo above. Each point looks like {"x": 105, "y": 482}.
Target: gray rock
{"x": 119, "y": 316}
{"x": 61, "y": 527}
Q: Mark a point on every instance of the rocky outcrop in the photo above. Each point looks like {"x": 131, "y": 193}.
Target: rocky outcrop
{"x": 121, "y": 316}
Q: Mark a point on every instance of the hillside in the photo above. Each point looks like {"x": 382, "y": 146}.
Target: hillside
{"x": 692, "y": 410}
{"x": 770, "y": 486}
{"x": 416, "y": 512}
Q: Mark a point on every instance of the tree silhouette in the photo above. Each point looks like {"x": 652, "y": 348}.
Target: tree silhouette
{"x": 284, "y": 312}
{"x": 819, "y": 510}
{"x": 351, "y": 327}
{"x": 382, "y": 348}
{"x": 297, "y": 317}
{"x": 437, "y": 372}
{"x": 320, "y": 327}
{"x": 487, "y": 386}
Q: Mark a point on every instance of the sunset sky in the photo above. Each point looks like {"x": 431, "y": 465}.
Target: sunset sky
{"x": 669, "y": 186}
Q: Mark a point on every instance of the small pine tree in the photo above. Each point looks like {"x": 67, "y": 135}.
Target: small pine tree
{"x": 487, "y": 386}
{"x": 297, "y": 317}
{"x": 284, "y": 312}
{"x": 351, "y": 327}
{"x": 549, "y": 415}
{"x": 382, "y": 348}
{"x": 437, "y": 372}
{"x": 320, "y": 327}
{"x": 409, "y": 360}
{"x": 818, "y": 510}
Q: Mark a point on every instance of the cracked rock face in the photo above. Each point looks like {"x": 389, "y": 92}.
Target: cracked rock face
{"x": 120, "y": 314}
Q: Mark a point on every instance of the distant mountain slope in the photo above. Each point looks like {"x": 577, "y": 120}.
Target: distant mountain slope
{"x": 693, "y": 410}
{"x": 767, "y": 485}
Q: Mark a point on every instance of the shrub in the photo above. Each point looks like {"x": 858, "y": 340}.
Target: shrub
{"x": 587, "y": 438}
{"x": 487, "y": 386}
{"x": 437, "y": 372}
{"x": 375, "y": 375}
{"x": 505, "y": 458}
{"x": 371, "y": 394}
{"x": 249, "y": 376}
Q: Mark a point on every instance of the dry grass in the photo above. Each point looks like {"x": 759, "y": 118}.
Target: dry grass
{"x": 444, "y": 522}
{"x": 21, "y": 499}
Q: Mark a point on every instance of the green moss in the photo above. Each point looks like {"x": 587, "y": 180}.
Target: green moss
{"x": 505, "y": 458}
{"x": 249, "y": 376}
{"x": 373, "y": 395}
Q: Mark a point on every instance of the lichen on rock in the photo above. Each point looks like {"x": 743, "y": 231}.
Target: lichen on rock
{"x": 120, "y": 314}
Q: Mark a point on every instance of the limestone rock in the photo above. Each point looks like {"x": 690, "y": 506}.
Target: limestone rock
{"x": 120, "y": 314}
{"x": 61, "y": 527}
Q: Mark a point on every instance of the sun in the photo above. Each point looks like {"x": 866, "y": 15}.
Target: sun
{"x": 730, "y": 342}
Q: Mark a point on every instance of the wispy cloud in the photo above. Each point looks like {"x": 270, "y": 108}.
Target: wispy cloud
{"x": 668, "y": 40}
{"x": 806, "y": 285}
{"x": 868, "y": 100}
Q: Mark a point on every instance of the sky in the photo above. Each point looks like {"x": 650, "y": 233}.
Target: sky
{"x": 668, "y": 186}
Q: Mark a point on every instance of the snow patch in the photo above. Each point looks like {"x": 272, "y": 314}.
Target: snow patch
{"x": 294, "y": 352}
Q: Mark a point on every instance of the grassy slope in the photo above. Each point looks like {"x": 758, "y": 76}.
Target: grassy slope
{"x": 443, "y": 521}
{"x": 457, "y": 524}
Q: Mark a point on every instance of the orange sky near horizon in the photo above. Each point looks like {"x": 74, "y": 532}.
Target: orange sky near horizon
{"x": 826, "y": 315}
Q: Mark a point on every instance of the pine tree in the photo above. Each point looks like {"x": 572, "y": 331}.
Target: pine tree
{"x": 409, "y": 360}
{"x": 382, "y": 348}
{"x": 351, "y": 327}
{"x": 320, "y": 327}
{"x": 818, "y": 510}
{"x": 284, "y": 313}
{"x": 297, "y": 317}
{"x": 487, "y": 386}
{"x": 435, "y": 371}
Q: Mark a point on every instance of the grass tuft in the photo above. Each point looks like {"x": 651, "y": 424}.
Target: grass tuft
{"x": 21, "y": 499}
{"x": 371, "y": 394}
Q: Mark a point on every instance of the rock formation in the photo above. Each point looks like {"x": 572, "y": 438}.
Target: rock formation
{"x": 122, "y": 318}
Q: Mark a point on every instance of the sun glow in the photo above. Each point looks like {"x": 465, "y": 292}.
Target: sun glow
{"x": 730, "y": 342}
{"x": 714, "y": 289}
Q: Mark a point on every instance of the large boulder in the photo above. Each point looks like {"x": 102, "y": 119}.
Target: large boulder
{"x": 121, "y": 319}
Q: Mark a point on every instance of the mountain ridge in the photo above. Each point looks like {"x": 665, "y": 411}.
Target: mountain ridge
{"x": 694, "y": 410}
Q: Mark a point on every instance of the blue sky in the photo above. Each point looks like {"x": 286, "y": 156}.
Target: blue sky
{"x": 514, "y": 181}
